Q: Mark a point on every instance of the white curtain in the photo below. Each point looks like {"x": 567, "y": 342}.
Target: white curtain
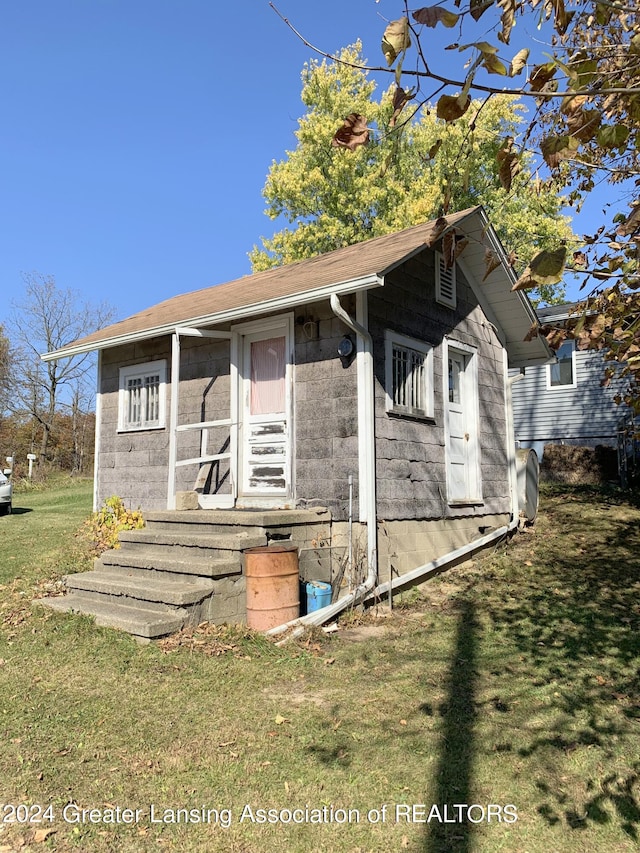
{"x": 267, "y": 376}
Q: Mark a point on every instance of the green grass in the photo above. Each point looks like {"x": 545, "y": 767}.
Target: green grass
{"x": 513, "y": 680}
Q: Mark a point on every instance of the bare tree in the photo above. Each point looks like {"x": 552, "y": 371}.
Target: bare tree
{"x": 5, "y": 370}
{"x": 47, "y": 319}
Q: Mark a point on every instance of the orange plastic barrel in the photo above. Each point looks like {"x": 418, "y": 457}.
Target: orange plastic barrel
{"x": 273, "y": 585}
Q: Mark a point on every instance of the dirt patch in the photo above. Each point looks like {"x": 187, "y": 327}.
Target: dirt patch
{"x": 588, "y": 466}
{"x": 361, "y": 632}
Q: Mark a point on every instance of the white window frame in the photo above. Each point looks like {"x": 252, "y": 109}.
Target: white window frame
{"x": 448, "y": 299}
{"x": 143, "y": 372}
{"x": 574, "y": 376}
{"x": 423, "y": 350}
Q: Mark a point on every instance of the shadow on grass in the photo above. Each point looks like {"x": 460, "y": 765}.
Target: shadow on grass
{"x": 455, "y": 765}
{"x": 575, "y": 621}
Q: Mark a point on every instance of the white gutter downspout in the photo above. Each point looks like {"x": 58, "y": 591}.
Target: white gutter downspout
{"x": 423, "y": 572}
{"x": 98, "y": 434}
{"x": 366, "y": 468}
{"x": 366, "y": 432}
{"x": 173, "y": 419}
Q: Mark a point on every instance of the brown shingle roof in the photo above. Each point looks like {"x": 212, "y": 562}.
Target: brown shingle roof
{"x": 249, "y": 294}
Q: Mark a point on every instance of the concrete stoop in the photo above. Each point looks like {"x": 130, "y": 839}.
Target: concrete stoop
{"x": 183, "y": 568}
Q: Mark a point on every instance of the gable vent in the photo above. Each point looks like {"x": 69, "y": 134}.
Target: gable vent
{"x": 445, "y": 283}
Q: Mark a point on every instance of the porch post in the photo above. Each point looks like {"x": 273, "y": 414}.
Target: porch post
{"x": 173, "y": 419}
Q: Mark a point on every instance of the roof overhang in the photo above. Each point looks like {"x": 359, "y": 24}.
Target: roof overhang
{"x": 510, "y": 312}
{"x": 243, "y": 312}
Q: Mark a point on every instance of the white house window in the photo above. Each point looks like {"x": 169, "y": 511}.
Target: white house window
{"x": 562, "y": 374}
{"x": 409, "y": 376}
{"x": 445, "y": 282}
{"x": 142, "y": 396}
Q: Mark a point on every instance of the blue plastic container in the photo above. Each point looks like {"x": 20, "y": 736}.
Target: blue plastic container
{"x": 318, "y": 595}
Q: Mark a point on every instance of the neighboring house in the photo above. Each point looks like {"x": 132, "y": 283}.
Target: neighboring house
{"x": 356, "y": 403}
{"x": 565, "y": 402}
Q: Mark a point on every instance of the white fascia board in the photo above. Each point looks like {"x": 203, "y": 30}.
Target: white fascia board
{"x": 485, "y": 304}
{"x": 278, "y": 304}
{"x": 498, "y": 248}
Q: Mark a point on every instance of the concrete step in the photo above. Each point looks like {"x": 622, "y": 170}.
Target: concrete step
{"x": 184, "y": 545}
{"x": 140, "y": 621}
{"x": 156, "y": 560}
{"x": 229, "y": 520}
{"x": 140, "y": 588}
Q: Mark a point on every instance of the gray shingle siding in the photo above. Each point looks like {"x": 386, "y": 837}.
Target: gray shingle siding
{"x": 410, "y": 453}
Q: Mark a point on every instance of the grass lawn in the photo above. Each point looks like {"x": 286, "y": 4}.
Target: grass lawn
{"x": 510, "y": 684}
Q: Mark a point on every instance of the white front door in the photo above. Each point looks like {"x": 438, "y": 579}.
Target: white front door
{"x": 265, "y": 429}
{"x": 461, "y": 407}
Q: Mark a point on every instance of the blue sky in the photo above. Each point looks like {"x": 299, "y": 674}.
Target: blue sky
{"x": 137, "y": 136}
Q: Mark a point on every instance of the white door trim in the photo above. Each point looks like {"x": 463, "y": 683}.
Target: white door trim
{"x": 471, "y": 416}
{"x": 283, "y": 324}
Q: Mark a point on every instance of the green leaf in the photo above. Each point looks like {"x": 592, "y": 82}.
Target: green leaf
{"x": 545, "y": 268}
{"x": 582, "y": 73}
{"x": 557, "y": 148}
{"x": 613, "y": 136}
{"x": 396, "y": 39}
{"x": 494, "y": 65}
{"x": 483, "y": 46}
{"x": 541, "y": 75}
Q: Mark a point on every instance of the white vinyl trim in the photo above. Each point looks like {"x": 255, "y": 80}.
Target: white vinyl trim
{"x": 98, "y": 434}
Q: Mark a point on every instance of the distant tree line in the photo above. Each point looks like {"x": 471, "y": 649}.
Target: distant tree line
{"x": 47, "y": 408}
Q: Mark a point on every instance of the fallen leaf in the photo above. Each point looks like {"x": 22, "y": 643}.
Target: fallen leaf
{"x": 279, "y": 720}
{"x": 41, "y": 835}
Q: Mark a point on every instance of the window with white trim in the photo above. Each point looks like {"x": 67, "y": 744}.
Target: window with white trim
{"x": 409, "y": 375}
{"x": 445, "y": 282}
{"x": 562, "y": 374}
{"x": 142, "y": 396}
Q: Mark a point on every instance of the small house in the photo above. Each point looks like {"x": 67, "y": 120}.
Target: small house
{"x": 356, "y": 404}
{"x": 566, "y": 402}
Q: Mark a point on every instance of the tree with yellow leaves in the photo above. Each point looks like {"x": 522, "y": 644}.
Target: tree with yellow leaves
{"x": 331, "y": 198}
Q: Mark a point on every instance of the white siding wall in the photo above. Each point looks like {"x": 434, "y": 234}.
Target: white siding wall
{"x": 586, "y": 414}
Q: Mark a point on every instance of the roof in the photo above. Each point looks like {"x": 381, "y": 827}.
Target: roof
{"x": 560, "y": 312}
{"x": 347, "y": 270}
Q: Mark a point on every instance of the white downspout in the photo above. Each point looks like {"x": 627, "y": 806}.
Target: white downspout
{"x": 98, "y": 431}
{"x": 366, "y": 469}
{"x": 366, "y": 428}
{"x": 173, "y": 419}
